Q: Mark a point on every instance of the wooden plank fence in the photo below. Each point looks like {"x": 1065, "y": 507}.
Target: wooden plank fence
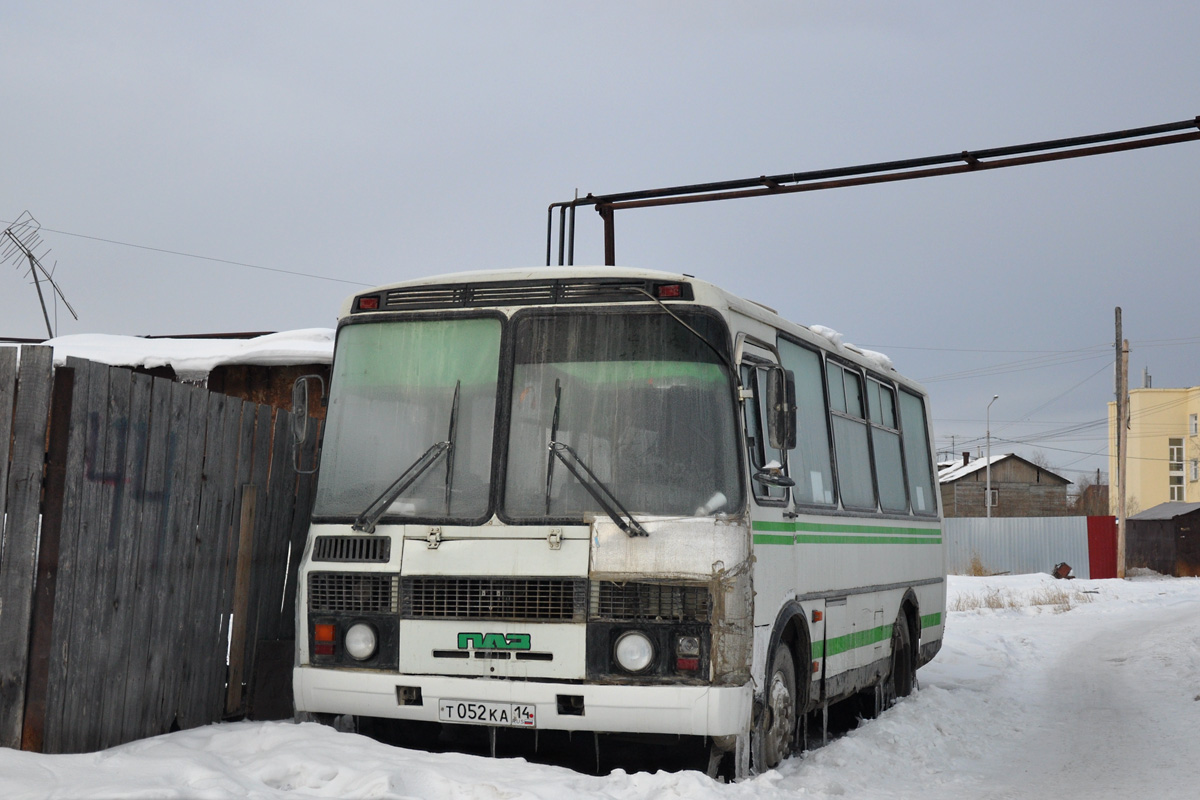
{"x": 148, "y": 554}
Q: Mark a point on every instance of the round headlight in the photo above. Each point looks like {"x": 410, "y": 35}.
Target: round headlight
{"x": 361, "y": 641}
{"x": 633, "y": 651}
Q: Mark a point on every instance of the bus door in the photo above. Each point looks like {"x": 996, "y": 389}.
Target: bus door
{"x": 768, "y": 464}
{"x": 776, "y": 569}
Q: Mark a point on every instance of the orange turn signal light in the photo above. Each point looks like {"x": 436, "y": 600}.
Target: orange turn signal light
{"x": 323, "y": 632}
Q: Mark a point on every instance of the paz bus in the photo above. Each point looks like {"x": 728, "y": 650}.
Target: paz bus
{"x": 617, "y": 501}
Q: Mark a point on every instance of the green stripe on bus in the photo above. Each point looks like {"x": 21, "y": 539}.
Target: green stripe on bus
{"x": 803, "y": 538}
{"x": 823, "y": 527}
{"x": 789, "y": 527}
{"x": 769, "y": 538}
{"x": 850, "y": 641}
{"x": 842, "y": 644}
{"x": 806, "y": 538}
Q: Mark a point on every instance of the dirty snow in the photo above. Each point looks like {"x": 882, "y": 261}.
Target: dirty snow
{"x": 1054, "y": 689}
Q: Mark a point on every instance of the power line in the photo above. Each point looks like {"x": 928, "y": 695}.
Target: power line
{"x": 1020, "y": 365}
{"x": 206, "y": 258}
{"x": 885, "y": 347}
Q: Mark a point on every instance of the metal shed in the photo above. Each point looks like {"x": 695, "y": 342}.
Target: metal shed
{"x": 1166, "y": 539}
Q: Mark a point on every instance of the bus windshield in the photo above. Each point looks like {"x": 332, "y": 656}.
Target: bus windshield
{"x": 645, "y": 403}
{"x": 402, "y": 388}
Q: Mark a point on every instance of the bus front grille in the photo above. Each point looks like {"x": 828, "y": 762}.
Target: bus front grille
{"x": 353, "y": 593}
{"x": 352, "y": 548}
{"x": 506, "y": 599}
{"x": 628, "y": 602}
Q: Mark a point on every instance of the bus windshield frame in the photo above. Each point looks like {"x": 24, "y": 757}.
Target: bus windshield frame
{"x": 662, "y": 394}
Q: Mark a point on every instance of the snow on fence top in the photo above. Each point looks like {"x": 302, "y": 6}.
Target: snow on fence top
{"x": 193, "y": 359}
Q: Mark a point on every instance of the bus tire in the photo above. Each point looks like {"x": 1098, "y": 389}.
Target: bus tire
{"x": 902, "y": 675}
{"x": 777, "y": 724}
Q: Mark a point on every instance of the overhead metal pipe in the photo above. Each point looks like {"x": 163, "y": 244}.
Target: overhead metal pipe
{"x": 879, "y": 172}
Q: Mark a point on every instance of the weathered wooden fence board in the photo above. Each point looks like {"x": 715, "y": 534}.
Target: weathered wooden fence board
{"x": 68, "y": 568}
{"x": 83, "y": 694}
{"x": 305, "y": 487}
{"x": 245, "y": 618}
{"x": 124, "y": 540}
{"x": 105, "y": 555}
{"x": 18, "y": 559}
{"x": 167, "y": 578}
{"x": 145, "y": 583}
{"x": 183, "y": 534}
{"x": 281, "y": 490}
{"x": 42, "y": 634}
{"x": 200, "y": 632}
{"x": 241, "y": 429}
{"x": 8, "y": 395}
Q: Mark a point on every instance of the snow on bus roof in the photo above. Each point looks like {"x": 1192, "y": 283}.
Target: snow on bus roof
{"x": 880, "y": 360}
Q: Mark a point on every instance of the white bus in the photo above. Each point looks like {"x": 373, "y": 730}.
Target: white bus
{"x": 614, "y": 500}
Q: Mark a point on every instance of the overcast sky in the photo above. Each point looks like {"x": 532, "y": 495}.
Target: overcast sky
{"x": 367, "y": 143}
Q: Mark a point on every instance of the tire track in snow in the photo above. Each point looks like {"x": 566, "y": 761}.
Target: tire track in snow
{"x": 1115, "y": 712}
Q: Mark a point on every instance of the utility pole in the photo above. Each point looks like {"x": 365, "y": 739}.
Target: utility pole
{"x": 988, "y": 467}
{"x": 1122, "y": 422}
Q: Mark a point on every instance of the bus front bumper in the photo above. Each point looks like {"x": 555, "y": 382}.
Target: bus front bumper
{"x": 686, "y": 710}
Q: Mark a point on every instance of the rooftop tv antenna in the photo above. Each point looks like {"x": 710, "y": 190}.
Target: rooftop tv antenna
{"x": 19, "y": 243}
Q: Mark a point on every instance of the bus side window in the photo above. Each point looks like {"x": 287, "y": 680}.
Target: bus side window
{"x": 760, "y": 451}
{"x": 850, "y": 437}
{"x": 916, "y": 453}
{"x": 885, "y": 446}
{"x": 811, "y": 463}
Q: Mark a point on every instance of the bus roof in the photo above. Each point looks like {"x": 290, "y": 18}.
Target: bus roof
{"x": 705, "y": 293}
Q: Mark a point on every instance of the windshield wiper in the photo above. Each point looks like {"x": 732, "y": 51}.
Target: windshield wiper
{"x": 451, "y": 438}
{"x": 553, "y": 439}
{"x": 719, "y": 353}
{"x": 365, "y": 521}
{"x": 594, "y": 486}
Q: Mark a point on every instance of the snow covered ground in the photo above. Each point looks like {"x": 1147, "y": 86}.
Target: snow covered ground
{"x": 1044, "y": 689}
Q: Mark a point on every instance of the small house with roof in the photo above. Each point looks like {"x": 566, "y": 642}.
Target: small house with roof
{"x": 1020, "y": 488}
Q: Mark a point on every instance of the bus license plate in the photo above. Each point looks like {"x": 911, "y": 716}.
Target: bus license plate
{"x": 515, "y": 715}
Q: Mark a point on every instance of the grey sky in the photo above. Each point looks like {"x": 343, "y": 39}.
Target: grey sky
{"x": 373, "y": 142}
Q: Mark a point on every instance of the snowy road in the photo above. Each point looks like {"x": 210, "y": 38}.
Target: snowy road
{"x": 1114, "y": 706}
{"x": 1036, "y": 694}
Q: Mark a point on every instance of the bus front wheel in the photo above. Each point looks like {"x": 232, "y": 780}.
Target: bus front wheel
{"x": 777, "y": 725}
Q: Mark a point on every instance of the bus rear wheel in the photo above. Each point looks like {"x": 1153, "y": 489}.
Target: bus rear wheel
{"x": 901, "y": 677}
{"x": 777, "y": 726}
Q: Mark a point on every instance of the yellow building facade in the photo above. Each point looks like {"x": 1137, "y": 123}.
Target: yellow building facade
{"x": 1163, "y": 458}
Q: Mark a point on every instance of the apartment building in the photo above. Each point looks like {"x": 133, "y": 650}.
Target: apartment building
{"x": 1163, "y": 450}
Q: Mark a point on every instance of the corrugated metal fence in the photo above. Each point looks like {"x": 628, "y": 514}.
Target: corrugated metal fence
{"x": 1020, "y": 545}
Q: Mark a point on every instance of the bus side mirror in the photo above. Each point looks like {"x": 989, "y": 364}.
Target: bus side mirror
{"x": 300, "y": 417}
{"x": 781, "y": 408}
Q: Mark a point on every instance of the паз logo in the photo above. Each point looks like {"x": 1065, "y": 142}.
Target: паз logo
{"x": 493, "y": 641}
